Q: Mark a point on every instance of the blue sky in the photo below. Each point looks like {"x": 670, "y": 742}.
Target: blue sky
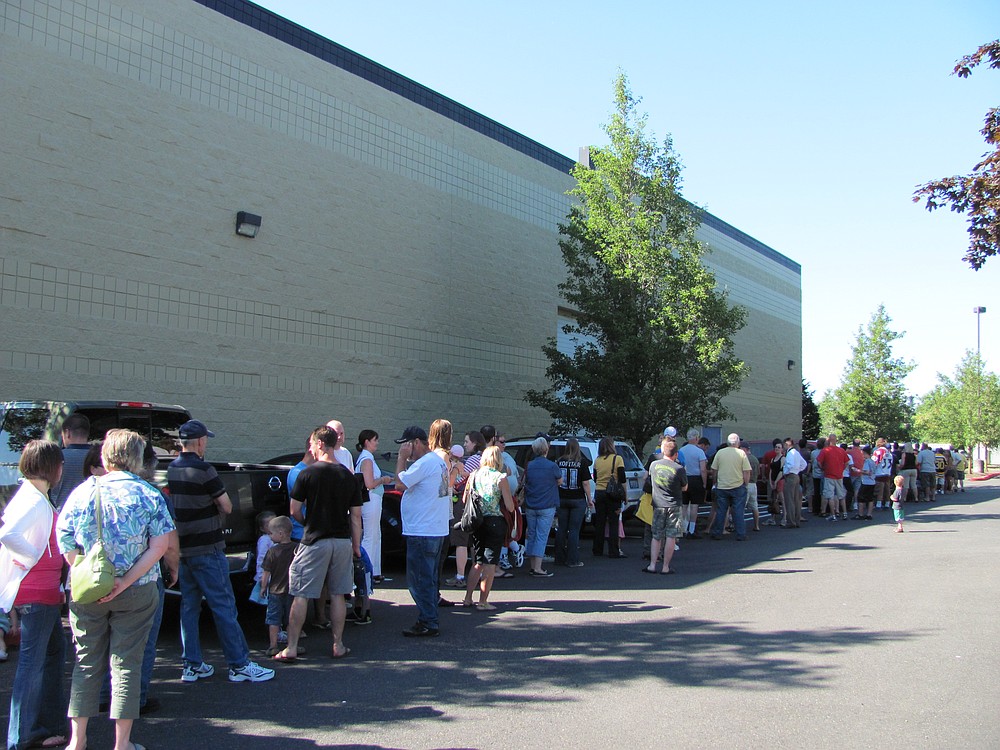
{"x": 805, "y": 125}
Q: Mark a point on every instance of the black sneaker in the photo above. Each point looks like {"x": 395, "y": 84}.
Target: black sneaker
{"x": 419, "y": 630}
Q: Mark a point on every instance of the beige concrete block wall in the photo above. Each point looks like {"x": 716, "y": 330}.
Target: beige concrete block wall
{"x": 406, "y": 267}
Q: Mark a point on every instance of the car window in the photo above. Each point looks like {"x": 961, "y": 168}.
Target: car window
{"x": 20, "y": 426}
{"x": 632, "y": 462}
{"x": 166, "y": 432}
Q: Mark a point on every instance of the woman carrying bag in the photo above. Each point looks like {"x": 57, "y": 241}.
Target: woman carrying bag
{"x": 134, "y": 528}
{"x": 31, "y": 583}
{"x": 607, "y": 510}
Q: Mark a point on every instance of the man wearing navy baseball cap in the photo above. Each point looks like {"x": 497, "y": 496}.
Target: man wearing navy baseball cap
{"x": 200, "y": 502}
{"x": 193, "y": 429}
{"x": 425, "y": 509}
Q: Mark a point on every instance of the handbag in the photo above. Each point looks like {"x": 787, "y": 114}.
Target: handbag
{"x": 614, "y": 489}
{"x": 92, "y": 576}
{"x": 472, "y": 516}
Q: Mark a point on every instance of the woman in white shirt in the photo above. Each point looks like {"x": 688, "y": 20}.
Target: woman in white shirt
{"x": 371, "y": 511}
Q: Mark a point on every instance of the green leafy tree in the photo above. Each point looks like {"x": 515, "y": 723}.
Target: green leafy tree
{"x": 976, "y": 194}
{"x": 963, "y": 410}
{"x": 810, "y": 413}
{"x": 656, "y": 335}
{"x": 871, "y": 399}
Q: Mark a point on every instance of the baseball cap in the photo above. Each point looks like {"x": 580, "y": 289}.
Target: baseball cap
{"x": 457, "y": 451}
{"x": 193, "y": 429}
{"x": 412, "y": 433}
{"x": 670, "y": 432}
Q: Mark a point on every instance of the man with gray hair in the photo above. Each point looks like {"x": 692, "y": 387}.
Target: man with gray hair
{"x": 731, "y": 472}
{"x": 695, "y": 464}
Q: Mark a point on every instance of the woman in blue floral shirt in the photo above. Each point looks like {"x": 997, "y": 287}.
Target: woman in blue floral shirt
{"x": 136, "y": 527}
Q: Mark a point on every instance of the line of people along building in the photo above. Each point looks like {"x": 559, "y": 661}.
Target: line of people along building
{"x": 327, "y": 550}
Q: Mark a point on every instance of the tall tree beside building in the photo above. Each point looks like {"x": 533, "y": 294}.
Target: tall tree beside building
{"x": 963, "y": 410}
{"x": 871, "y": 399}
{"x": 810, "y": 413}
{"x": 655, "y": 334}
{"x": 977, "y": 195}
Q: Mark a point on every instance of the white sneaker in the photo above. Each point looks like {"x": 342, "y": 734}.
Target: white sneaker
{"x": 519, "y": 556}
{"x": 193, "y": 673}
{"x": 282, "y": 636}
{"x": 3, "y": 650}
{"x": 250, "y": 672}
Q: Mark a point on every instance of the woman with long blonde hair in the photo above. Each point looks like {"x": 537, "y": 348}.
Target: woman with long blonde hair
{"x": 490, "y": 481}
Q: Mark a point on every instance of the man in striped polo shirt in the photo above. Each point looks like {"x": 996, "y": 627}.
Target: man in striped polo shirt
{"x": 200, "y": 501}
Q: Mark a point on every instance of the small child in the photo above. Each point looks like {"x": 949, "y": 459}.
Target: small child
{"x": 264, "y": 543}
{"x": 274, "y": 580}
{"x": 898, "y": 495}
{"x": 361, "y": 614}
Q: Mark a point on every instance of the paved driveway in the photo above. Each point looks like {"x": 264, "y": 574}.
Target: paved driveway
{"x": 836, "y": 635}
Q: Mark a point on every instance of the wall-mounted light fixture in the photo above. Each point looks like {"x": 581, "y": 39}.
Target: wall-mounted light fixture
{"x": 791, "y": 364}
{"x": 247, "y": 224}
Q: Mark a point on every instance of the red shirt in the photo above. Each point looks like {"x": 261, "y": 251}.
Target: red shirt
{"x": 41, "y": 584}
{"x": 833, "y": 460}
{"x": 858, "y": 456}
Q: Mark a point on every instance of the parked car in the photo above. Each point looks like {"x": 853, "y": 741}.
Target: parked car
{"x": 520, "y": 449}
{"x": 253, "y": 488}
{"x": 393, "y": 542}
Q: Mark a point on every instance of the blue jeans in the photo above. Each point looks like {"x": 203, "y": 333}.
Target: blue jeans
{"x": 539, "y": 523}
{"x": 735, "y": 498}
{"x": 208, "y": 576}
{"x": 38, "y": 699}
{"x": 571, "y": 513}
{"x": 422, "y": 576}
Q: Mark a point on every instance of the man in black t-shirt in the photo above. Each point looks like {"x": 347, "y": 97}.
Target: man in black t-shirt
{"x": 326, "y": 500}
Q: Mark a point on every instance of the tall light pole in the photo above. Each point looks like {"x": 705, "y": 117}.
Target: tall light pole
{"x": 978, "y": 310}
{"x": 980, "y": 463}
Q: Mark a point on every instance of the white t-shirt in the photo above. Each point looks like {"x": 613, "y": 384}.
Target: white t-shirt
{"x": 345, "y": 458}
{"x": 376, "y": 472}
{"x": 512, "y": 478}
{"x": 426, "y": 503}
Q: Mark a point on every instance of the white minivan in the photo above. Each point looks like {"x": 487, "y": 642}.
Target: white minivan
{"x": 520, "y": 449}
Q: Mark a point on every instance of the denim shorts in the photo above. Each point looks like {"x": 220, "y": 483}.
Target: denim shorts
{"x": 278, "y": 607}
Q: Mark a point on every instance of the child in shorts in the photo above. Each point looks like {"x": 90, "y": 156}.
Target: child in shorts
{"x": 264, "y": 543}
{"x": 274, "y": 579}
{"x": 361, "y": 613}
{"x": 898, "y": 495}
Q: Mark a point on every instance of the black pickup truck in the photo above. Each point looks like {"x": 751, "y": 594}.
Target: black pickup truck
{"x": 251, "y": 487}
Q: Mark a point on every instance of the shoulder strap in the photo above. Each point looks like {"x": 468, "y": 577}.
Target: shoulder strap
{"x": 97, "y": 510}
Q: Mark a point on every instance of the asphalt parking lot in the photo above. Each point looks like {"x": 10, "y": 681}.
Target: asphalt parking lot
{"x": 830, "y": 636}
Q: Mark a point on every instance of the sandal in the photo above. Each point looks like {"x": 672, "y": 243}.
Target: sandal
{"x": 504, "y": 574}
{"x": 485, "y": 607}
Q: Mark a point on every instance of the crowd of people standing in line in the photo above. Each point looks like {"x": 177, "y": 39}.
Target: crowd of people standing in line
{"x": 328, "y": 549}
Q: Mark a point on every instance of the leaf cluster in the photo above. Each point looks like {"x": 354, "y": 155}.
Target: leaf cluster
{"x": 871, "y": 400}
{"x": 976, "y": 194}
{"x": 656, "y": 336}
{"x": 963, "y": 410}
